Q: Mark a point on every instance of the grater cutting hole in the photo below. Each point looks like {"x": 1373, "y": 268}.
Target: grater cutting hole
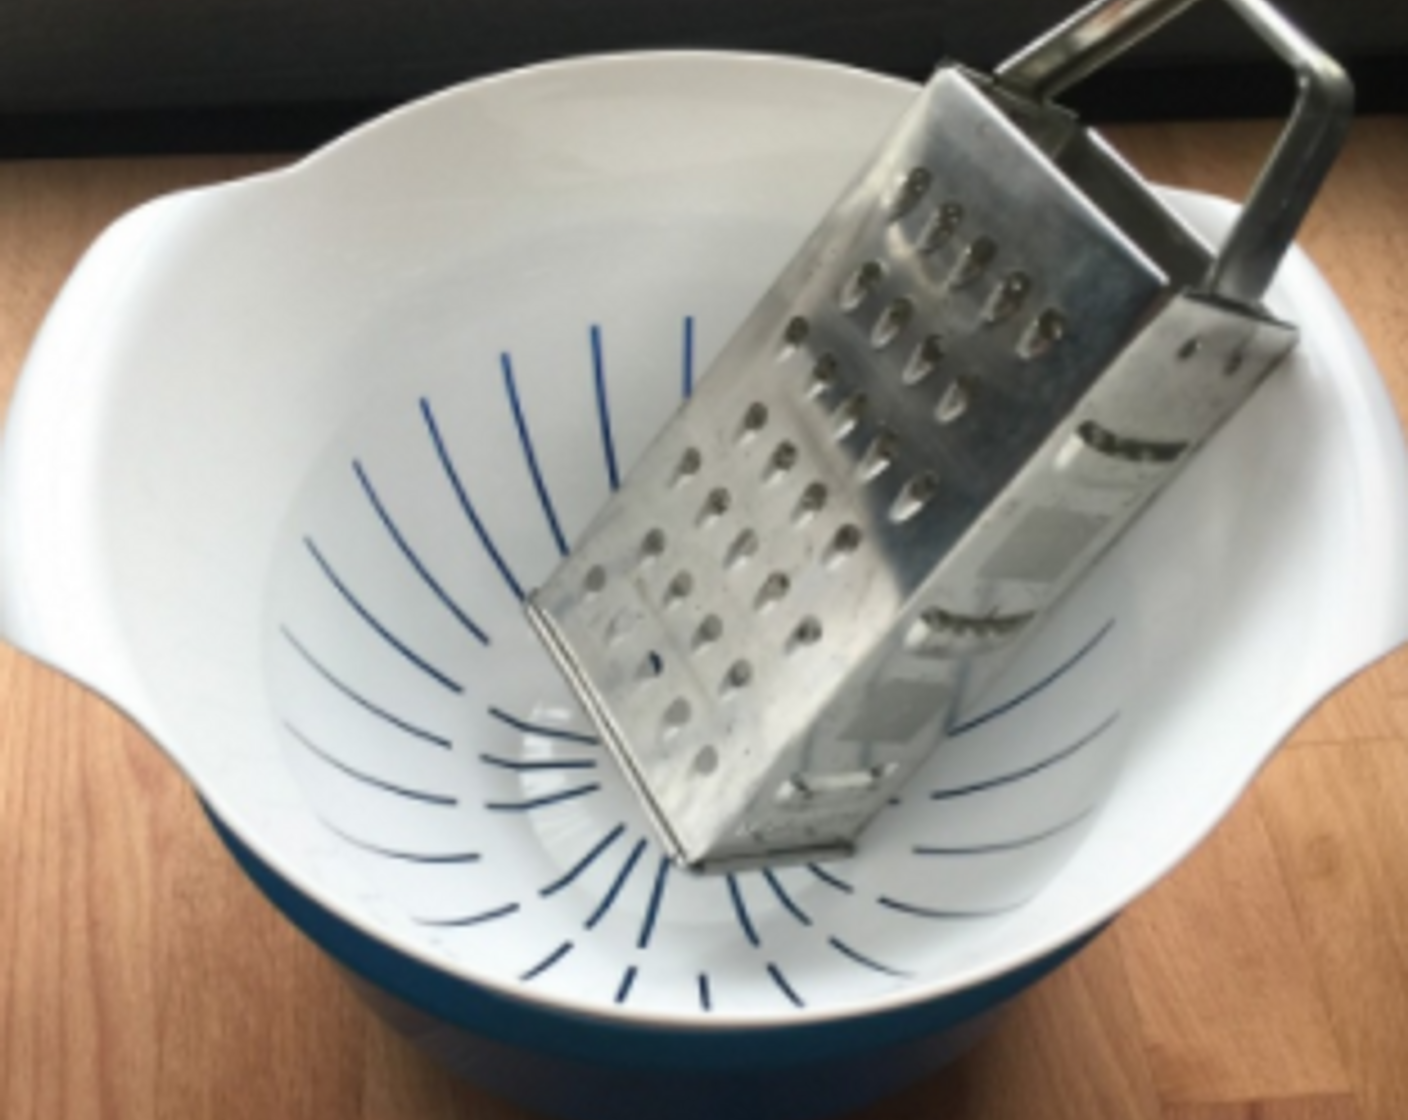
{"x": 954, "y": 402}
{"x": 1007, "y": 298}
{"x": 715, "y": 506}
{"x": 679, "y": 589}
{"x": 652, "y": 546}
{"x": 782, "y": 460}
{"x": 793, "y": 335}
{"x": 806, "y": 633}
{"x": 1235, "y": 361}
{"x": 738, "y": 677}
{"x": 891, "y": 323}
{"x": 860, "y": 284}
{"x": 940, "y": 227}
{"x": 1042, "y": 334}
{"x": 925, "y": 360}
{"x": 843, "y": 544}
{"x": 772, "y": 592}
{"x": 677, "y": 715}
{"x": 879, "y": 456}
{"x": 706, "y": 761}
{"x": 688, "y": 466}
{"x": 809, "y": 504}
{"x": 913, "y": 187}
{"x": 755, "y": 419}
{"x": 744, "y": 546}
{"x": 708, "y": 632}
{"x": 824, "y": 376}
{"x": 974, "y": 261}
{"x": 595, "y": 579}
{"x": 917, "y": 493}
{"x": 651, "y": 666}
{"x": 851, "y": 413}
{"x": 1189, "y": 349}
{"x": 621, "y": 624}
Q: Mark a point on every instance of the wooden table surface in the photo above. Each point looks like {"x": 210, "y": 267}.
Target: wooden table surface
{"x": 141, "y": 976}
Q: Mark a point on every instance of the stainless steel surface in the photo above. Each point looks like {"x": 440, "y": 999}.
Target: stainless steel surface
{"x": 989, "y": 357}
{"x": 1298, "y": 165}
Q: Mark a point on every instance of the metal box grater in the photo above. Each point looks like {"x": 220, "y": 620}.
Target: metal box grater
{"x": 994, "y": 351}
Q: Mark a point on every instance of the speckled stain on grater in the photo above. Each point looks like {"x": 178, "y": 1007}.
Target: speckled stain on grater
{"x": 942, "y": 412}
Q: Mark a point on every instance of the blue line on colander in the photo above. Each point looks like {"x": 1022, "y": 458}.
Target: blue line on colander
{"x": 1027, "y": 771}
{"x": 586, "y": 861}
{"x": 528, "y": 728}
{"x": 357, "y": 697}
{"x": 530, "y": 765}
{"x": 783, "y": 897}
{"x": 688, "y": 357}
{"x": 544, "y": 802}
{"x": 1002, "y": 845}
{"x": 964, "y": 726}
{"x": 447, "y": 464}
{"x": 624, "y": 990}
{"x": 915, "y": 910}
{"x": 414, "y": 560}
{"x": 829, "y": 879}
{"x": 548, "y": 961}
{"x": 530, "y": 457}
{"x": 371, "y": 620}
{"x": 784, "y": 987}
{"x": 369, "y": 779}
{"x": 397, "y": 853}
{"x": 740, "y": 909}
{"x": 603, "y": 409}
{"x": 652, "y": 908}
{"x": 861, "y": 959}
{"x": 471, "y": 919}
{"x": 609, "y": 899}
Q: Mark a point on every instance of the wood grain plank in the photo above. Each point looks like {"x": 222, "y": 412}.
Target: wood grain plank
{"x": 1069, "y": 1049}
{"x": 1228, "y": 996}
{"x": 1339, "y": 821}
{"x": 1294, "y": 1108}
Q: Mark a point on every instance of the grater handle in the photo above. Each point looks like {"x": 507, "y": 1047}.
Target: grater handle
{"x": 1298, "y": 164}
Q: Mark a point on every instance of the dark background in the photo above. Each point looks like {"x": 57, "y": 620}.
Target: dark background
{"x": 81, "y": 77}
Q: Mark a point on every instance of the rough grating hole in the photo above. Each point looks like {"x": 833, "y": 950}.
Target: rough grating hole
{"x": 708, "y": 632}
{"x": 595, "y": 579}
{"x": 651, "y": 666}
{"x": 677, "y": 714}
{"x": 810, "y": 503}
{"x": 1007, "y": 298}
{"x": 679, "y": 588}
{"x": 879, "y": 456}
{"x": 706, "y": 761}
{"x": 715, "y": 505}
{"x": 806, "y": 633}
{"x": 918, "y": 492}
{"x": 783, "y": 459}
{"x": 954, "y": 402}
{"x": 739, "y": 675}
{"x": 744, "y": 546}
{"x": 1189, "y": 349}
{"x": 755, "y": 419}
{"x": 824, "y": 376}
{"x": 652, "y": 545}
{"x": 793, "y": 335}
{"x": 845, "y": 542}
{"x": 912, "y": 188}
{"x": 860, "y": 284}
{"x": 927, "y": 357}
{"x": 940, "y": 227}
{"x": 974, "y": 261}
{"x": 891, "y": 323}
{"x": 1042, "y": 333}
{"x": 688, "y": 466}
{"x": 851, "y": 412}
{"x": 774, "y": 588}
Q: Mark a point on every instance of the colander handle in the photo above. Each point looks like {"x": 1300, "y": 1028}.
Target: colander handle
{"x": 1299, "y": 162}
